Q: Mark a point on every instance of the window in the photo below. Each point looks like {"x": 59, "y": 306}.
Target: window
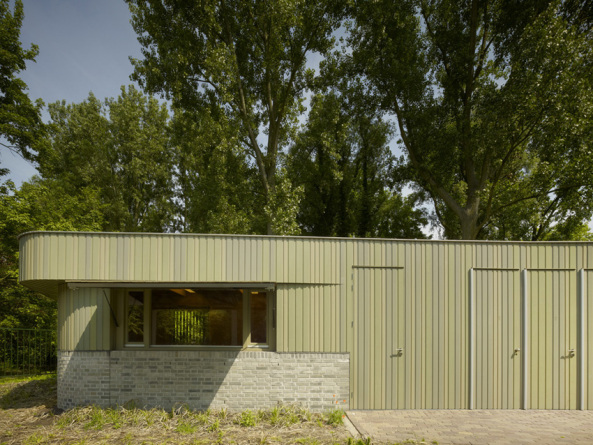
{"x": 198, "y": 317}
{"x": 135, "y": 317}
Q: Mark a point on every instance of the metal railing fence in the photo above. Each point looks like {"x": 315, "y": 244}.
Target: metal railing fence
{"x": 27, "y": 351}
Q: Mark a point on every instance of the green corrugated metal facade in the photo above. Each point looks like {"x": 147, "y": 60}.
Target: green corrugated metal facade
{"x": 428, "y": 324}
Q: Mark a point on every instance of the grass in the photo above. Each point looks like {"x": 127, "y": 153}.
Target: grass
{"x": 28, "y": 415}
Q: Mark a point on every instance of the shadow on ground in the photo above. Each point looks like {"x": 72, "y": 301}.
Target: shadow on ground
{"x": 29, "y": 394}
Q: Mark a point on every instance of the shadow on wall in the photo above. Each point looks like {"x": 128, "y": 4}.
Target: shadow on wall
{"x": 199, "y": 379}
{"x": 91, "y": 374}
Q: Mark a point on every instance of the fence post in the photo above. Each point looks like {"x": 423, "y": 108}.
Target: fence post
{"x": 27, "y": 351}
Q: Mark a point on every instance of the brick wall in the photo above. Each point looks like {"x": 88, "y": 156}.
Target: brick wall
{"x": 83, "y": 378}
{"x": 203, "y": 379}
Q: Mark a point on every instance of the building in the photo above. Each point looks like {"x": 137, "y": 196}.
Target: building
{"x": 252, "y": 321}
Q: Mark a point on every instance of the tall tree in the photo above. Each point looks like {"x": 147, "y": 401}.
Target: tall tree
{"x": 248, "y": 56}
{"x": 122, "y": 148}
{"x": 344, "y": 164}
{"x": 20, "y": 119}
{"x": 483, "y": 92}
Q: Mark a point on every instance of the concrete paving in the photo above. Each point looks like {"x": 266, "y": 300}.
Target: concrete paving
{"x": 476, "y": 426}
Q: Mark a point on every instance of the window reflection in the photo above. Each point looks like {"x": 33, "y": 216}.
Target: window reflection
{"x": 197, "y": 317}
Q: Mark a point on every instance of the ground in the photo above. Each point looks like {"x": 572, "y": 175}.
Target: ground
{"x": 28, "y": 415}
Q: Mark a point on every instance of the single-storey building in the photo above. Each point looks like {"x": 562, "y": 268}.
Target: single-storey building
{"x": 252, "y": 321}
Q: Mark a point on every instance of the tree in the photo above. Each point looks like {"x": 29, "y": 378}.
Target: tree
{"x": 20, "y": 119}
{"x": 344, "y": 164}
{"x": 483, "y": 94}
{"x": 248, "y": 56}
{"x": 216, "y": 187}
{"x": 37, "y": 205}
{"x": 120, "y": 147}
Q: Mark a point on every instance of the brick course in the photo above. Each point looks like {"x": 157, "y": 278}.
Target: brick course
{"x": 203, "y": 379}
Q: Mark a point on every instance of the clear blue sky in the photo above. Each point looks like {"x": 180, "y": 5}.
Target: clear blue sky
{"x": 84, "y": 46}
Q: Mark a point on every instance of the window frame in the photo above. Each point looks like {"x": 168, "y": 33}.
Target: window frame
{"x": 270, "y": 345}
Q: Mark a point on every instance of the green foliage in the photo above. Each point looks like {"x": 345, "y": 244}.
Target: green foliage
{"x": 483, "y": 94}
{"x": 20, "y": 119}
{"x": 247, "y": 58}
{"x": 37, "y": 205}
{"x": 342, "y": 161}
{"x": 217, "y": 188}
{"x": 247, "y": 418}
{"x": 283, "y": 205}
{"x": 335, "y": 417}
{"x": 121, "y": 149}
{"x": 186, "y": 428}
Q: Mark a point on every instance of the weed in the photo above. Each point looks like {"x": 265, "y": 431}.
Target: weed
{"x": 247, "y": 418}
{"x": 274, "y": 416}
{"x": 34, "y": 439}
{"x": 307, "y": 441}
{"x": 202, "y": 418}
{"x": 128, "y": 439}
{"x": 335, "y": 417}
{"x": 352, "y": 441}
{"x": 186, "y": 428}
{"x": 214, "y": 426}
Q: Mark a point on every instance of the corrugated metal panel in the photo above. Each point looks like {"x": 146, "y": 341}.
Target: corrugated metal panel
{"x": 552, "y": 335}
{"x": 149, "y": 257}
{"x": 407, "y": 347}
{"x": 498, "y": 335}
{"x": 309, "y": 319}
{"x": 336, "y": 295}
{"x": 83, "y": 319}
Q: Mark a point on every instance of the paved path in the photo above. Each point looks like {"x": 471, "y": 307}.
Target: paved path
{"x": 476, "y": 427}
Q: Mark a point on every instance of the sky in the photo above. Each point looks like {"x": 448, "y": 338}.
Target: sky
{"x": 84, "y": 46}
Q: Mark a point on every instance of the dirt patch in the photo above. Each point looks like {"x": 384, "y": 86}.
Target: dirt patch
{"x": 28, "y": 415}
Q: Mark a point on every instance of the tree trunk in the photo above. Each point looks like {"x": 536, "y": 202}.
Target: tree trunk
{"x": 468, "y": 220}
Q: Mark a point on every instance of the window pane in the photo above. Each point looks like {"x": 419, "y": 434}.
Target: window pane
{"x": 136, "y": 317}
{"x": 259, "y": 317}
{"x": 197, "y": 317}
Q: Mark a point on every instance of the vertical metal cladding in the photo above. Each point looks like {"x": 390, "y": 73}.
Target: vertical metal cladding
{"x": 84, "y": 319}
{"x": 410, "y": 342}
{"x": 400, "y": 308}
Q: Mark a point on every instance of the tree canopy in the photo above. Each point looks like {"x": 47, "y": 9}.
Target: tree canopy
{"x": 483, "y": 93}
{"x": 122, "y": 148}
{"x": 21, "y": 126}
{"x": 247, "y": 57}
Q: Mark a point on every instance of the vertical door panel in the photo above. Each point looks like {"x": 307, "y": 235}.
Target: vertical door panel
{"x": 377, "y": 370}
{"x": 552, "y": 338}
{"x": 497, "y": 334}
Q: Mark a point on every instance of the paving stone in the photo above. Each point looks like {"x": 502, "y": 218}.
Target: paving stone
{"x": 476, "y": 427}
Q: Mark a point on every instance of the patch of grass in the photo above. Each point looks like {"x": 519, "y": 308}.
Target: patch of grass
{"x": 214, "y": 426}
{"x": 335, "y": 417}
{"x": 6, "y": 380}
{"x": 351, "y": 441}
{"x": 34, "y": 421}
{"x": 186, "y": 428}
{"x": 247, "y": 418}
{"x": 307, "y": 441}
{"x": 27, "y": 391}
{"x": 35, "y": 439}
